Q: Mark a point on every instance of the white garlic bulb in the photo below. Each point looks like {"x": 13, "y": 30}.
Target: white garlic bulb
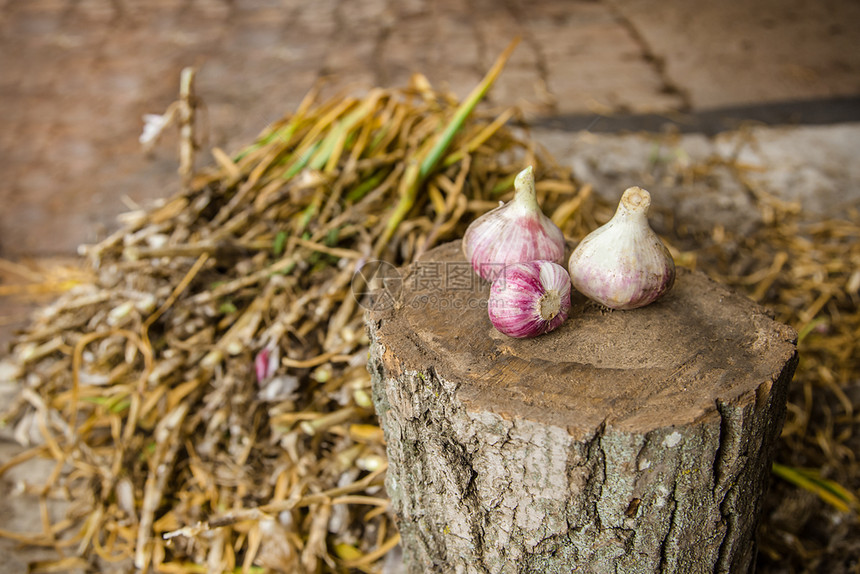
{"x": 515, "y": 232}
{"x": 623, "y": 264}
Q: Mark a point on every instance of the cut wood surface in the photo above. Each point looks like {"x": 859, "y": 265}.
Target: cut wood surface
{"x": 624, "y": 441}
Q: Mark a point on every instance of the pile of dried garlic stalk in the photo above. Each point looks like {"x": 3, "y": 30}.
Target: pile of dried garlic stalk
{"x": 205, "y": 395}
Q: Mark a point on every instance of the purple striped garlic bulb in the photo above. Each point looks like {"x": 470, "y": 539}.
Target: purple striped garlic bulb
{"x": 515, "y": 232}
{"x": 529, "y": 299}
{"x": 623, "y": 264}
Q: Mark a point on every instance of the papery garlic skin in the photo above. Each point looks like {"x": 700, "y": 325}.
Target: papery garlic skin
{"x": 515, "y": 232}
{"x": 623, "y": 264}
{"x": 529, "y": 299}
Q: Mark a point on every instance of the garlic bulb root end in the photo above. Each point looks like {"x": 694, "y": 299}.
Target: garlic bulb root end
{"x": 529, "y": 299}
{"x": 549, "y": 305}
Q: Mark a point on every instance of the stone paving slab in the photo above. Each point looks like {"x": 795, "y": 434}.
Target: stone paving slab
{"x": 738, "y": 52}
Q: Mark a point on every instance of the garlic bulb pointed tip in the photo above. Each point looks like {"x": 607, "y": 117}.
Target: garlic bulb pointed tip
{"x": 515, "y": 232}
{"x": 525, "y": 177}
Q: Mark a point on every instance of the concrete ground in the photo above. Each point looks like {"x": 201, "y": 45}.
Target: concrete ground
{"x": 76, "y": 76}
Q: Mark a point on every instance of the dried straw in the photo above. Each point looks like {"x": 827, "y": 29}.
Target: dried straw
{"x": 205, "y": 395}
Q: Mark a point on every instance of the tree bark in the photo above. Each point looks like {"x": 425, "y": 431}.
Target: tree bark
{"x": 625, "y": 441}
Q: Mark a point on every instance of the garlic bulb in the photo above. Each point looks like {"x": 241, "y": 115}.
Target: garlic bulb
{"x": 515, "y": 232}
{"x": 529, "y": 299}
{"x": 623, "y": 264}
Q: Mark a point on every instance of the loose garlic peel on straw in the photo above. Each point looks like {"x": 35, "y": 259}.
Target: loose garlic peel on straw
{"x": 515, "y": 232}
{"x": 623, "y": 264}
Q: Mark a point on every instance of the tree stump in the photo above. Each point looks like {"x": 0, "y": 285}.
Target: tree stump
{"x": 625, "y": 441}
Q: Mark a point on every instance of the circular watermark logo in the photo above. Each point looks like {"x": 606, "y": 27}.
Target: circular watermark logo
{"x": 377, "y": 285}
